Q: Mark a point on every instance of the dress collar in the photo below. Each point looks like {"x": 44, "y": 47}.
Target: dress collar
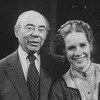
{"x": 83, "y": 75}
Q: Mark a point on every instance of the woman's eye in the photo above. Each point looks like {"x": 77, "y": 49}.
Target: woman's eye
{"x": 71, "y": 48}
{"x": 82, "y": 45}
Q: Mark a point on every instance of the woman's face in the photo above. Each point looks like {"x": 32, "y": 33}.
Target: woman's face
{"x": 78, "y": 50}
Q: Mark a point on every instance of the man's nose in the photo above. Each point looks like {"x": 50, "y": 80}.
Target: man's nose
{"x": 35, "y": 32}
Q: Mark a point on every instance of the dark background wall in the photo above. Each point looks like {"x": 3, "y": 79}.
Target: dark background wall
{"x": 57, "y": 12}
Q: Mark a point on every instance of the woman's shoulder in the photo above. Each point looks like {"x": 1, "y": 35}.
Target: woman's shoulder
{"x": 61, "y": 85}
{"x": 97, "y": 66}
{"x": 61, "y": 90}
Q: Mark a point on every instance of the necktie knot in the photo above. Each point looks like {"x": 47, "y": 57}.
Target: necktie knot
{"x": 31, "y": 59}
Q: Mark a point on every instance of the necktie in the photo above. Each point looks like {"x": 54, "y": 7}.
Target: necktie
{"x": 33, "y": 79}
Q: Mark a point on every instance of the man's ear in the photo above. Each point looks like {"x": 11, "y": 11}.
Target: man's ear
{"x": 16, "y": 30}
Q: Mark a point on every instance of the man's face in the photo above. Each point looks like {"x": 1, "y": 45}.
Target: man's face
{"x": 78, "y": 50}
{"x": 33, "y": 33}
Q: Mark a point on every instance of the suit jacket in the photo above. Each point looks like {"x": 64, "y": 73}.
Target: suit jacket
{"x": 12, "y": 82}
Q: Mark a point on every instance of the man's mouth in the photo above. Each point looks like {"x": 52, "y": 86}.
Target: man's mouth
{"x": 34, "y": 43}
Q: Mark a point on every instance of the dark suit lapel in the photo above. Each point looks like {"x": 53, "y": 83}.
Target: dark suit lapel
{"x": 15, "y": 74}
{"x": 45, "y": 79}
{"x": 44, "y": 85}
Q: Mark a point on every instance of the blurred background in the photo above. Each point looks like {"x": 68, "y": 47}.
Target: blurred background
{"x": 57, "y": 12}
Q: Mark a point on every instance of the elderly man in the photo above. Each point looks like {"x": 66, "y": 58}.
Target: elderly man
{"x": 28, "y": 73}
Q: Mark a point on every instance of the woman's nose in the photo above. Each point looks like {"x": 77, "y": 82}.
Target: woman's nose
{"x": 78, "y": 52}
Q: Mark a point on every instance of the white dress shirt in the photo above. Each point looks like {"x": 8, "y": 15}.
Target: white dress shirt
{"x": 25, "y": 61}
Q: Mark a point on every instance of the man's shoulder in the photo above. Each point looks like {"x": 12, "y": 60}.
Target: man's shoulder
{"x": 52, "y": 56}
{"x": 7, "y": 58}
{"x": 56, "y": 56}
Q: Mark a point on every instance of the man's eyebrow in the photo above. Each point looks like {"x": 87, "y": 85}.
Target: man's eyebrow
{"x": 42, "y": 26}
{"x": 30, "y": 25}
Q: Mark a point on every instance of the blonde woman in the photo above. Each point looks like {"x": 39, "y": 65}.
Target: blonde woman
{"x": 84, "y": 74}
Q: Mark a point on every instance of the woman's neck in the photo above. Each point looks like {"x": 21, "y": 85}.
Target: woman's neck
{"x": 81, "y": 73}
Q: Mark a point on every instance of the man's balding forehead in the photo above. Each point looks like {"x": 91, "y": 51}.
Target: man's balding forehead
{"x": 27, "y": 13}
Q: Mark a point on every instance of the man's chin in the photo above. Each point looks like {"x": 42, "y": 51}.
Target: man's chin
{"x": 33, "y": 50}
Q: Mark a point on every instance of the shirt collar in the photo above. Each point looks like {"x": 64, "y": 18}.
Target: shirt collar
{"x": 23, "y": 54}
{"x": 37, "y": 56}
